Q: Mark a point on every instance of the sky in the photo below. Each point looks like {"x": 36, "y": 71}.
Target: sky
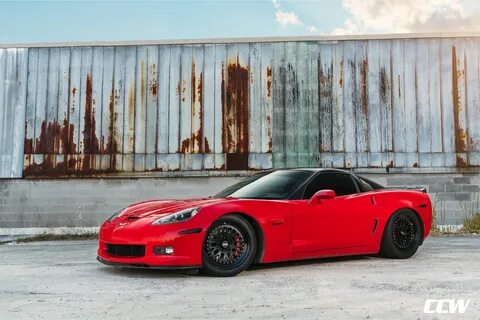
{"x": 52, "y": 21}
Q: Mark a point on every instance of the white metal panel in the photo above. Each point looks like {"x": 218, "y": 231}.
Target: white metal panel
{"x": 255, "y": 112}
{"x": 266, "y": 98}
{"x": 312, "y": 88}
{"x": 423, "y": 102}
{"x": 434, "y": 105}
{"x": 350, "y": 103}
{"x": 398, "y": 103}
{"x": 164, "y": 87}
{"x": 410, "y": 91}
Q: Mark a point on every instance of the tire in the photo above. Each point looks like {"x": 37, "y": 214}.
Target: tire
{"x": 402, "y": 235}
{"x": 230, "y": 246}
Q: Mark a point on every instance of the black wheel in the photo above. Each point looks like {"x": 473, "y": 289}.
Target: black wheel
{"x": 402, "y": 235}
{"x": 230, "y": 246}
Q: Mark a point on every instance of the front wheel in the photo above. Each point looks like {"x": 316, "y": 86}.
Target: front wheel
{"x": 402, "y": 235}
{"x": 230, "y": 246}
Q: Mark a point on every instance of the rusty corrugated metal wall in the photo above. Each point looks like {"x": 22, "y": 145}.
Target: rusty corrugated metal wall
{"x": 12, "y": 111}
{"x": 405, "y": 103}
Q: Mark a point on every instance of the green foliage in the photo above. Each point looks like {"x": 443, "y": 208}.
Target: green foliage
{"x": 471, "y": 223}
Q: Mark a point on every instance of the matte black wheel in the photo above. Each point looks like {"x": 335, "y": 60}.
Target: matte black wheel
{"x": 230, "y": 246}
{"x": 402, "y": 235}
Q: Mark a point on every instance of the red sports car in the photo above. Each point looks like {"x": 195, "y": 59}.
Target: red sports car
{"x": 271, "y": 216}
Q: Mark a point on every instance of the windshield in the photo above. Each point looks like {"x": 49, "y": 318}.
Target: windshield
{"x": 267, "y": 185}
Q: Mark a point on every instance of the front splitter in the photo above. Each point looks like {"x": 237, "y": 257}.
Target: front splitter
{"x": 144, "y": 265}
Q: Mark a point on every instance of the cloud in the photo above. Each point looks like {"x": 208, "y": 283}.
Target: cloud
{"x": 285, "y": 18}
{"x": 391, "y": 16}
{"x": 312, "y": 29}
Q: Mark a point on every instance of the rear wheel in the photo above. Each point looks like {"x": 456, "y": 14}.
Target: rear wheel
{"x": 230, "y": 246}
{"x": 402, "y": 235}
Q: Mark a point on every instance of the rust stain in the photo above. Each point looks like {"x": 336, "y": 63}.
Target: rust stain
{"x": 46, "y": 167}
{"x": 207, "y": 146}
{"x": 185, "y": 146}
{"x": 269, "y": 82}
{"x": 200, "y": 90}
{"x": 131, "y": 104}
{"x": 56, "y": 141}
{"x": 112, "y": 146}
{"x": 324, "y": 77}
{"x": 153, "y": 87}
{"x": 74, "y": 91}
{"x": 461, "y": 162}
{"x": 90, "y": 141}
{"x": 62, "y": 137}
{"x": 28, "y": 144}
{"x": 196, "y": 143}
{"x": 235, "y": 109}
{"x": 142, "y": 83}
{"x": 129, "y": 127}
{"x": 460, "y": 135}
{"x": 193, "y": 87}
{"x": 383, "y": 85}
{"x": 184, "y": 85}
{"x": 41, "y": 142}
{"x": 130, "y": 110}
{"x": 194, "y": 139}
{"x": 364, "y": 95}
{"x": 67, "y": 145}
{"x": 340, "y": 81}
{"x": 269, "y": 133}
{"x": 199, "y": 136}
{"x": 399, "y": 87}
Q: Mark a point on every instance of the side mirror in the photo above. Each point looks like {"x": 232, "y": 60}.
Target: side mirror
{"x": 322, "y": 195}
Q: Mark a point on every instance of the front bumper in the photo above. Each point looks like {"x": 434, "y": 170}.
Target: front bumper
{"x": 187, "y": 246}
{"x": 143, "y": 266}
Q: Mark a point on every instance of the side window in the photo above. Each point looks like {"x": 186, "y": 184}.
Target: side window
{"x": 341, "y": 183}
{"x": 364, "y": 186}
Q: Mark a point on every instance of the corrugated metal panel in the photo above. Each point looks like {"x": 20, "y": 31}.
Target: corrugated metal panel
{"x": 13, "y": 74}
{"x": 406, "y": 103}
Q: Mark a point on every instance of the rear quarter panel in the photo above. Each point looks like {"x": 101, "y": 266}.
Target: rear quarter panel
{"x": 388, "y": 202}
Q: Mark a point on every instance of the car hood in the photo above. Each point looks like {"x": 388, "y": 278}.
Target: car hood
{"x": 160, "y": 208}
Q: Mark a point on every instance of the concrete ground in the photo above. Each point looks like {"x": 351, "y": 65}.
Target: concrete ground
{"x": 62, "y": 280}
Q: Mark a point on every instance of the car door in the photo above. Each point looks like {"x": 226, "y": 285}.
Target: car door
{"x": 345, "y": 221}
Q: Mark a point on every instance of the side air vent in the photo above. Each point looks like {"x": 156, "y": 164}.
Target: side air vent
{"x": 375, "y": 224}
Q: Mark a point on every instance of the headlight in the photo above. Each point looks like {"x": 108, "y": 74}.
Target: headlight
{"x": 177, "y": 216}
{"x": 116, "y": 214}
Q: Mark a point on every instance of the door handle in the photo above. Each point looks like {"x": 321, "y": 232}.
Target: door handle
{"x": 277, "y": 222}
